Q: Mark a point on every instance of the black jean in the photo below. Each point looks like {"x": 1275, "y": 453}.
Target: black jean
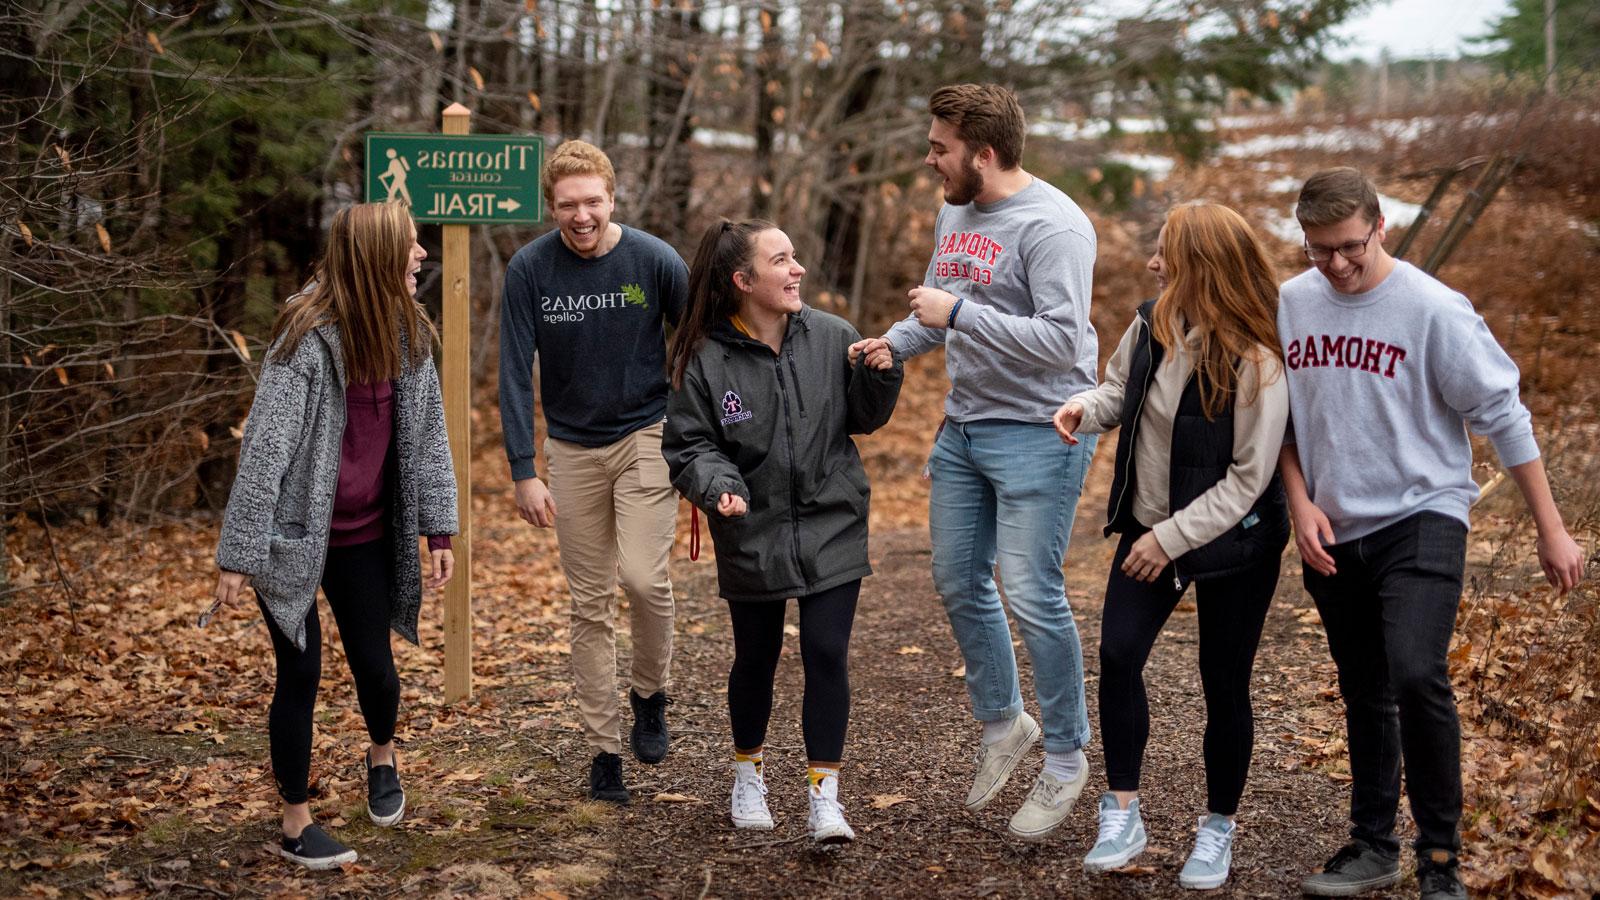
{"x": 825, "y": 622}
{"x": 356, "y": 580}
{"x": 1232, "y": 610}
{"x": 1389, "y": 612}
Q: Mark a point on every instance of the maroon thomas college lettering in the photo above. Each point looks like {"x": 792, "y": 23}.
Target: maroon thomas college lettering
{"x": 1345, "y": 352}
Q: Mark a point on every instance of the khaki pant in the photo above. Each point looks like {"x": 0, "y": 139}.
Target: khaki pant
{"x": 615, "y": 514}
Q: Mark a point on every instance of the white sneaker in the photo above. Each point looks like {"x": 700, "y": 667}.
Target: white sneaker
{"x": 749, "y": 808}
{"x": 996, "y": 761}
{"x": 827, "y": 815}
{"x": 1047, "y": 805}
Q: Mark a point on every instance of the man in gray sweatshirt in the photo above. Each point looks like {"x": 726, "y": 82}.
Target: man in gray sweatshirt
{"x": 1388, "y": 369}
{"x": 1007, "y": 295}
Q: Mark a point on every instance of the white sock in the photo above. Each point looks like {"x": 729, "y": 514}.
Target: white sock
{"x": 1064, "y": 766}
{"x": 994, "y": 731}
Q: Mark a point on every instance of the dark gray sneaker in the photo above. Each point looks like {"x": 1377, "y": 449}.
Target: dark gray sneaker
{"x": 605, "y": 779}
{"x": 1358, "y": 867}
{"x": 1436, "y": 877}
{"x": 386, "y": 800}
{"x": 650, "y": 737}
{"x": 315, "y": 850}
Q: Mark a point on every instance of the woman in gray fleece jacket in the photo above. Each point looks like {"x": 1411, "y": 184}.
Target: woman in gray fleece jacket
{"x": 765, "y": 397}
{"x": 344, "y": 464}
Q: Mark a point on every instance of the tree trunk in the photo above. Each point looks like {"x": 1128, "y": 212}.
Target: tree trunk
{"x": 674, "y": 77}
{"x": 224, "y": 304}
{"x": 764, "y": 177}
{"x": 841, "y": 226}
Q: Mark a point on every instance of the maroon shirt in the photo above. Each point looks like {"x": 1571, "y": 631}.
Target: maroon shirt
{"x": 362, "y": 498}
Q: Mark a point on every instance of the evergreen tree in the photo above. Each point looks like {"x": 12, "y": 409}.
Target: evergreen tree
{"x": 1517, "y": 39}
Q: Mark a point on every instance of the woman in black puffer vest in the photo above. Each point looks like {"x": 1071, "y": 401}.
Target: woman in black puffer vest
{"x": 1197, "y": 387}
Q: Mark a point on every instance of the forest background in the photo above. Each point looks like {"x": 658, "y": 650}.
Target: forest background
{"x": 167, "y": 172}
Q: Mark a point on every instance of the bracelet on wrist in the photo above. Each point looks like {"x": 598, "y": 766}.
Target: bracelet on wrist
{"x": 953, "y": 310}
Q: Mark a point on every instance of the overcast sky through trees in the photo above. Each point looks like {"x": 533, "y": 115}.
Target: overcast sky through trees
{"x": 1416, "y": 28}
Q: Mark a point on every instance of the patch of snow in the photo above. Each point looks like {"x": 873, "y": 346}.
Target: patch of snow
{"x": 1398, "y": 213}
{"x": 1282, "y": 225}
{"x": 1336, "y": 140}
{"x": 724, "y": 140}
{"x": 1288, "y": 184}
{"x": 1157, "y": 167}
{"x": 1255, "y": 121}
{"x": 1092, "y": 129}
{"x": 713, "y": 138}
{"x": 1070, "y": 131}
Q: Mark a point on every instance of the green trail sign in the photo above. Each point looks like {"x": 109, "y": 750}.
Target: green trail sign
{"x": 465, "y": 179}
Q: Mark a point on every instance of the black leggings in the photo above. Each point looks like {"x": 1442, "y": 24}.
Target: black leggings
{"x": 825, "y": 621}
{"x": 1232, "y": 610}
{"x": 356, "y": 582}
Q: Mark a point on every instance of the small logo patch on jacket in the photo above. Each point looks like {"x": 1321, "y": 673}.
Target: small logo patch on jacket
{"x": 734, "y": 407}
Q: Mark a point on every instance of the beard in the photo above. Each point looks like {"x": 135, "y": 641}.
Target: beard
{"x": 966, "y": 185}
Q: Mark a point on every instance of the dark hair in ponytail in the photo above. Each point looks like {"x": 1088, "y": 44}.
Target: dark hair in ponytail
{"x": 726, "y": 248}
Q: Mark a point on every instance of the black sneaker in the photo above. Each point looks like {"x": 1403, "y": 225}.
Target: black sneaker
{"x": 650, "y": 736}
{"x": 315, "y": 850}
{"x": 1436, "y": 877}
{"x": 605, "y": 779}
{"x": 386, "y": 800}
{"x": 1358, "y": 867}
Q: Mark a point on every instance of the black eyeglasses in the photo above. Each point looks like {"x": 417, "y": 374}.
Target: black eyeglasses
{"x": 1350, "y": 250}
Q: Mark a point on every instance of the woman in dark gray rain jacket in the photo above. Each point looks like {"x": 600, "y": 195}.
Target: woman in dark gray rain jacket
{"x": 344, "y": 463}
{"x": 765, "y": 397}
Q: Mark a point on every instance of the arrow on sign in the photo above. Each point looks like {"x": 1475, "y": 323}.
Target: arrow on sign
{"x": 509, "y": 205}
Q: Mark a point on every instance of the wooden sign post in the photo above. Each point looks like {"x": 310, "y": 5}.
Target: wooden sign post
{"x": 457, "y": 385}
{"x": 458, "y": 180}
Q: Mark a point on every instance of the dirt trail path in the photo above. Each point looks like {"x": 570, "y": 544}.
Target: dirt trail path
{"x": 911, "y": 737}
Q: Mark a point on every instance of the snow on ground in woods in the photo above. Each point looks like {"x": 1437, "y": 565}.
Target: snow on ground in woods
{"x": 712, "y": 138}
{"x": 1157, "y": 167}
{"x": 1090, "y": 129}
{"x": 1280, "y": 222}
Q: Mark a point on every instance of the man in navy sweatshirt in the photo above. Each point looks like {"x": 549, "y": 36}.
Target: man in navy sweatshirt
{"x": 1388, "y": 369}
{"x": 591, "y": 301}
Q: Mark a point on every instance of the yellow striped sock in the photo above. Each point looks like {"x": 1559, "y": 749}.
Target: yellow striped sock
{"x": 754, "y": 757}
{"x": 815, "y": 774}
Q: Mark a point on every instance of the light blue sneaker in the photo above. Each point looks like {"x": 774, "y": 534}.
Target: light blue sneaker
{"x": 1207, "y": 867}
{"x": 1121, "y": 836}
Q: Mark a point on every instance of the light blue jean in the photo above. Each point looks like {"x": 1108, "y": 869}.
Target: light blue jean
{"x": 1008, "y": 491}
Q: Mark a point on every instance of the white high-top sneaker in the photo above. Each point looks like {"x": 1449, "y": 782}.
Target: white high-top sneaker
{"x": 749, "y": 808}
{"x": 827, "y": 815}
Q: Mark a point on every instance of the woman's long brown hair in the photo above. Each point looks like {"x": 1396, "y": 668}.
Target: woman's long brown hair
{"x": 726, "y": 247}
{"x": 360, "y": 285}
{"x": 1220, "y": 283}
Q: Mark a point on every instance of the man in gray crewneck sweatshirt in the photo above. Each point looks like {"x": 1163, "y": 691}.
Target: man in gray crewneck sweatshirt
{"x": 1007, "y": 295}
{"x": 1388, "y": 369}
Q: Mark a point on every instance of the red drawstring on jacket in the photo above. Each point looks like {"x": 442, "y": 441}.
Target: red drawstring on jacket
{"x": 694, "y": 533}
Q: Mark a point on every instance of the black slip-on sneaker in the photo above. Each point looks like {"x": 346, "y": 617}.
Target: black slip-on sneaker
{"x": 1358, "y": 867}
{"x": 386, "y": 800}
{"x": 315, "y": 850}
